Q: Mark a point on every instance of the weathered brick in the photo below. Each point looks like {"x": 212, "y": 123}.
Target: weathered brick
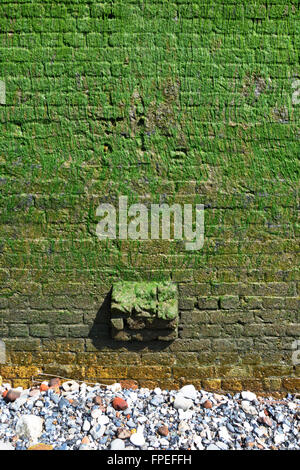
{"x": 229, "y": 302}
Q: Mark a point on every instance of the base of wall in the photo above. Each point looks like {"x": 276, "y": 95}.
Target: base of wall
{"x": 266, "y": 380}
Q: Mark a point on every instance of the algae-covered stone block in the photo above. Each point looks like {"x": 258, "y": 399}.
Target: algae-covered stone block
{"x": 168, "y": 310}
{"x": 149, "y": 307}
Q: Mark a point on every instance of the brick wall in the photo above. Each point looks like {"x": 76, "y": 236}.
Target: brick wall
{"x": 183, "y": 101}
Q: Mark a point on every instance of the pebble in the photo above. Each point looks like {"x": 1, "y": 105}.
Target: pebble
{"x": 189, "y": 391}
{"x": 117, "y": 387}
{"x": 63, "y": 403}
{"x": 119, "y": 404}
{"x": 86, "y": 425}
{"x": 98, "y": 400}
{"x": 30, "y": 427}
{"x": 123, "y": 433}
{"x": 54, "y": 382}
{"x": 163, "y": 430}
{"x": 248, "y": 396}
{"x": 117, "y": 444}
{"x": 70, "y": 386}
{"x": 138, "y": 438}
{"x": 251, "y": 410}
{"x": 182, "y": 403}
{"x": 12, "y": 395}
{"x": 207, "y": 404}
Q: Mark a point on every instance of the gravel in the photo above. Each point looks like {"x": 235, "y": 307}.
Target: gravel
{"x": 73, "y": 416}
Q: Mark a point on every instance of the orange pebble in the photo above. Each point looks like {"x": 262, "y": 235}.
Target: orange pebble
{"x": 44, "y": 388}
{"x": 4, "y": 393}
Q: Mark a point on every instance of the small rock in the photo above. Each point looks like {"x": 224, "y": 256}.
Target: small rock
{"x": 117, "y": 444}
{"x": 138, "y": 438}
{"x": 265, "y": 420}
{"x": 85, "y": 441}
{"x": 119, "y": 404}
{"x": 198, "y": 442}
{"x": 54, "y": 383}
{"x": 183, "y": 427}
{"x": 98, "y": 400}
{"x": 63, "y": 403}
{"x": 164, "y": 442}
{"x": 70, "y": 386}
{"x": 207, "y": 404}
{"x": 157, "y": 400}
{"x": 163, "y": 430}
{"x": 84, "y": 447}
{"x": 248, "y": 396}
{"x": 97, "y": 431}
{"x": 86, "y": 425}
{"x": 30, "y": 427}
{"x": 123, "y": 433}
{"x": 182, "y": 403}
{"x": 12, "y": 395}
{"x": 34, "y": 392}
{"x": 44, "y": 387}
{"x": 103, "y": 419}
{"x": 115, "y": 387}
{"x": 189, "y": 391}
{"x": 279, "y": 438}
{"x": 223, "y": 434}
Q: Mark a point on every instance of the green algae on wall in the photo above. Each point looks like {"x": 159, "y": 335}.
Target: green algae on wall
{"x": 190, "y": 101}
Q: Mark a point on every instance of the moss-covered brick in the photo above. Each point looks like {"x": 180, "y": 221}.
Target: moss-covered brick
{"x": 21, "y": 331}
{"x": 229, "y": 302}
{"x": 40, "y": 330}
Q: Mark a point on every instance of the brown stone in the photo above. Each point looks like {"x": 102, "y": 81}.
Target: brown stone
{"x": 129, "y": 384}
{"x": 163, "y": 430}
{"x": 207, "y": 404}
{"x": 265, "y": 420}
{"x": 12, "y": 395}
{"x": 98, "y": 400}
{"x": 119, "y": 404}
{"x": 54, "y": 382}
{"x": 41, "y": 447}
{"x": 123, "y": 433}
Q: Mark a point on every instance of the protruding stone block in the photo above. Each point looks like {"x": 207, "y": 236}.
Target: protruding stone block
{"x": 144, "y": 311}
